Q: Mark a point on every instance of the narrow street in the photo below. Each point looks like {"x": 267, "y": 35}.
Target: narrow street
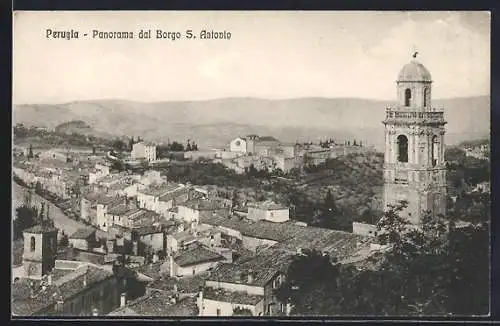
{"x": 61, "y": 221}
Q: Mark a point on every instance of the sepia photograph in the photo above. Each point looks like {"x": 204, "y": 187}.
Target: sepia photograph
{"x": 250, "y": 164}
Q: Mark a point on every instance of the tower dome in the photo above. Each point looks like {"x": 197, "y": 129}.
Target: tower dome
{"x": 414, "y": 72}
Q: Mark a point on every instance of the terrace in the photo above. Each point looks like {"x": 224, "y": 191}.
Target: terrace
{"x": 412, "y": 115}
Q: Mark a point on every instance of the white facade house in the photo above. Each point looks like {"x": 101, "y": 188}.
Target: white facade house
{"x": 98, "y": 172}
{"x": 268, "y": 211}
{"x": 144, "y": 150}
{"x": 238, "y": 144}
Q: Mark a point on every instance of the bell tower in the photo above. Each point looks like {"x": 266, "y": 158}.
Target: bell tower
{"x": 40, "y": 250}
{"x": 414, "y": 166}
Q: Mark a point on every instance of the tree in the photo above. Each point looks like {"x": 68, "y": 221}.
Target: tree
{"x": 131, "y": 143}
{"x": 188, "y": 146}
{"x": 118, "y": 165}
{"x": 311, "y": 279}
{"x": 239, "y": 311}
{"x": 119, "y": 145}
{"x": 26, "y": 218}
{"x": 176, "y": 147}
{"x": 438, "y": 260}
{"x": 30, "y": 151}
{"x": 64, "y": 241}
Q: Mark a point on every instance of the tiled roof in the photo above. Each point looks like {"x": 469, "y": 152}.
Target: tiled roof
{"x": 160, "y": 190}
{"x": 269, "y": 205}
{"x": 152, "y": 270}
{"x": 263, "y": 266}
{"x": 132, "y": 211}
{"x": 197, "y": 255}
{"x": 144, "y": 215}
{"x": 124, "y": 311}
{"x": 110, "y": 200}
{"x": 174, "y": 194}
{"x": 186, "y": 284}
{"x": 41, "y": 228}
{"x": 147, "y": 229}
{"x": 65, "y": 287}
{"x": 238, "y": 297}
{"x": 120, "y": 209}
{"x": 183, "y": 236}
{"x": 291, "y": 236}
{"x": 83, "y": 233}
{"x": 93, "y": 196}
{"x": 205, "y": 205}
{"x": 267, "y": 139}
{"x": 159, "y": 304}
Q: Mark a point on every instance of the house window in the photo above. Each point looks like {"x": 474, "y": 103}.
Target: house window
{"x": 407, "y": 97}
{"x": 402, "y": 148}
{"x": 426, "y": 93}
{"x": 32, "y": 244}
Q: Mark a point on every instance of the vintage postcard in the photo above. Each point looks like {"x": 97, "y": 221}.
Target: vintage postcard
{"x": 249, "y": 163}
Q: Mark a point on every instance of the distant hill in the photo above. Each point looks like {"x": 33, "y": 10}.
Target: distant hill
{"x": 215, "y": 122}
{"x": 73, "y": 126}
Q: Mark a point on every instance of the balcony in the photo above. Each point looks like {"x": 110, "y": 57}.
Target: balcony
{"x": 412, "y": 116}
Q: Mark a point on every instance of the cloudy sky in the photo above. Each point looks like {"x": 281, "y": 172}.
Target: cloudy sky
{"x": 270, "y": 55}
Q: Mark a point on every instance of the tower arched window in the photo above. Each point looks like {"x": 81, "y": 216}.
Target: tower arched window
{"x": 407, "y": 97}
{"x": 435, "y": 150}
{"x": 426, "y": 94}
{"x": 402, "y": 148}
{"x": 32, "y": 244}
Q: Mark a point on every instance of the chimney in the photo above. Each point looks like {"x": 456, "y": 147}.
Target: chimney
{"x": 123, "y": 299}
{"x": 250, "y": 277}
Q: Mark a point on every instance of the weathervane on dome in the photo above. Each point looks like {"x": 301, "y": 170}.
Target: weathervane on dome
{"x": 415, "y": 52}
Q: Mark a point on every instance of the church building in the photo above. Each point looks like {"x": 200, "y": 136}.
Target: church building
{"x": 414, "y": 165}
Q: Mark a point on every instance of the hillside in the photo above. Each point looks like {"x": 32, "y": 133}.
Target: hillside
{"x": 215, "y": 122}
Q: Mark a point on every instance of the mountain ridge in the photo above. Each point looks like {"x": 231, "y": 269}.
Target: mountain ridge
{"x": 215, "y": 121}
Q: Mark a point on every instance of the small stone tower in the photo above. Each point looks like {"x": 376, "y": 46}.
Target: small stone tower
{"x": 414, "y": 166}
{"x": 40, "y": 249}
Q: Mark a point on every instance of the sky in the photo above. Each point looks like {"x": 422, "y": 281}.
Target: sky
{"x": 272, "y": 55}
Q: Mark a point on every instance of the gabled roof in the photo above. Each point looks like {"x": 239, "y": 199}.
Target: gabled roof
{"x": 263, "y": 267}
{"x": 63, "y": 288}
{"x": 267, "y": 139}
{"x": 41, "y": 228}
{"x": 197, "y": 255}
{"x": 234, "y": 297}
